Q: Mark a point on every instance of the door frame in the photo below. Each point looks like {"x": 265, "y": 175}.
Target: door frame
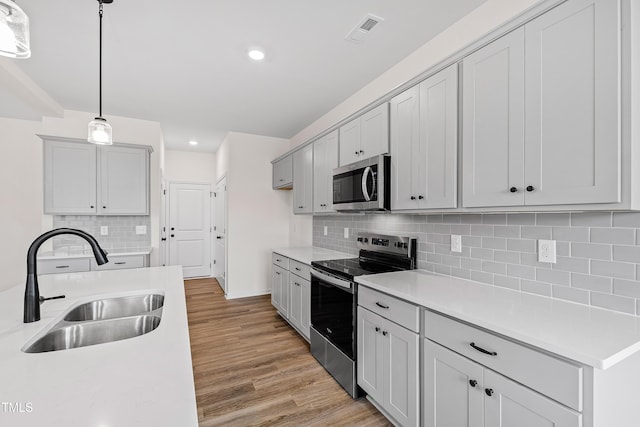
{"x": 214, "y": 252}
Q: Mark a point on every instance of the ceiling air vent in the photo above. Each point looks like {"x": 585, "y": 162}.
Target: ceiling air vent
{"x": 362, "y": 30}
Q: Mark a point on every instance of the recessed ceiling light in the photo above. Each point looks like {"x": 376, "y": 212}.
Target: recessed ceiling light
{"x": 256, "y": 54}
{"x": 192, "y": 142}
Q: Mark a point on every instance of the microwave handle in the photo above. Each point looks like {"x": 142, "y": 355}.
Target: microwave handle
{"x": 365, "y": 175}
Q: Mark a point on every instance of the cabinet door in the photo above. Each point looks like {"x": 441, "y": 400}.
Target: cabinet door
{"x": 370, "y": 354}
{"x": 303, "y": 180}
{"x": 69, "y": 178}
{"x": 325, "y": 159}
{"x": 401, "y": 370}
{"x": 295, "y": 301}
{"x": 124, "y": 185}
{"x": 453, "y": 393}
{"x": 280, "y": 290}
{"x": 493, "y": 123}
{"x": 572, "y": 104}
{"x": 283, "y": 172}
{"x": 374, "y": 132}
{"x": 512, "y": 404}
{"x": 438, "y": 157}
{"x": 350, "y": 142}
{"x": 305, "y": 303}
{"x": 405, "y": 149}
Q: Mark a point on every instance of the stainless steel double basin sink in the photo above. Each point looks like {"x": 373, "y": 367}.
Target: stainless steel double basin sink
{"x": 102, "y": 321}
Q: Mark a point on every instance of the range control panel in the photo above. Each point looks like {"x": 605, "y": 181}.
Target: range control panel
{"x": 382, "y": 243}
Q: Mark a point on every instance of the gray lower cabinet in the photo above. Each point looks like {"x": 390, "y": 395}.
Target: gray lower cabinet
{"x": 291, "y": 292}
{"x": 388, "y": 362}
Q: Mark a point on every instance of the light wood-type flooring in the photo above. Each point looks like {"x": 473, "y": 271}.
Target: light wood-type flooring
{"x": 252, "y": 369}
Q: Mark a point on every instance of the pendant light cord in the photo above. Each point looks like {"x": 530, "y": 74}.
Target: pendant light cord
{"x": 100, "y": 72}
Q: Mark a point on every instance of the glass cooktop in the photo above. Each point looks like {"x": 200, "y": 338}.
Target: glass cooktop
{"x": 353, "y": 267}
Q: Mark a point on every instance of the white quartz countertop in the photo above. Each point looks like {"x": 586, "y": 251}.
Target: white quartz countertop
{"x": 307, "y": 254}
{"x": 66, "y": 254}
{"x": 141, "y": 381}
{"x": 589, "y": 335}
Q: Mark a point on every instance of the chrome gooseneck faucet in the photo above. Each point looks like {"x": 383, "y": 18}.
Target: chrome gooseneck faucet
{"x": 32, "y": 292}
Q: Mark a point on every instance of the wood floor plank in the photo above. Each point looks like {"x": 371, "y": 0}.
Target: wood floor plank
{"x": 252, "y": 369}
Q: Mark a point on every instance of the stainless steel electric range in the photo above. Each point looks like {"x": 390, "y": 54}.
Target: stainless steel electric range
{"x": 334, "y": 301}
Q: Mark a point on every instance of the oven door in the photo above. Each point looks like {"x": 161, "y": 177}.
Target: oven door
{"x": 333, "y": 310}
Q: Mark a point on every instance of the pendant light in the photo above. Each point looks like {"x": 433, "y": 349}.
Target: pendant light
{"x": 99, "y": 129}
{"x": 14, "y": 31}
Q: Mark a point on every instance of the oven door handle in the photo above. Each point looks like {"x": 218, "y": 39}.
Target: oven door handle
{"x": 365, "y": 175}
{"x": 332, "y": 280}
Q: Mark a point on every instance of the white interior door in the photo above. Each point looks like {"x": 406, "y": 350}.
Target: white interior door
{"x": 220, "y": 232}
{"x": 190, "y": 228}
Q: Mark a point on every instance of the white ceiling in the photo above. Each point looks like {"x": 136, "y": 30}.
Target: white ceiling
{"x": 184, "y": 64}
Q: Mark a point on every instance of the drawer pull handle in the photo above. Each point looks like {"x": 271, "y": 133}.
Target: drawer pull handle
{"x": 482, "y": 350}
{"x": 489, "y": 391}
{"x": 379, "y": 304}
{"x": 120, "y": 263}
{"x": 473, "y": 383}
{"x": 62, "y": 266}
{"x": 297, "y": 269}
{"x": 278, "y": 260}
{"x": 377, "y": 329}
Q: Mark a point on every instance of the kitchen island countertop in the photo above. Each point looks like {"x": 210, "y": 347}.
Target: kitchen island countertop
{"x": 141, "y": 381}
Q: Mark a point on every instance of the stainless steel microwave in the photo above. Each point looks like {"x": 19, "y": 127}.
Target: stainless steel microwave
{"x": 363, "y": 186}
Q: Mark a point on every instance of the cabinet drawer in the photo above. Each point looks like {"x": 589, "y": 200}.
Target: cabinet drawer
{"x": 281, "y": 261}
{"x": 549, "y": 375}
{"x": 120, "y": 263}
{"x": 69, "y": 265}
{"x": 300, "y": 269}
{"x": 401, "y": 312}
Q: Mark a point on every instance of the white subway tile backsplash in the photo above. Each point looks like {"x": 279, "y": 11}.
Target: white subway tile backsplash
{"x": 594, "y": 250}
{"x": 121, "y": 232}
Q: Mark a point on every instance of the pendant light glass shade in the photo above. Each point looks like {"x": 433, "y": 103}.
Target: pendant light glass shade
{"x": 100, "y": 132}
{"x": 14, "y": 31}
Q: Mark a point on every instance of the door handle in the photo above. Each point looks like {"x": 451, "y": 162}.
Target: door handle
{"x": 365, "y": 176}
{"x": 218, "y": 237}
{"x": 173, "y": 235}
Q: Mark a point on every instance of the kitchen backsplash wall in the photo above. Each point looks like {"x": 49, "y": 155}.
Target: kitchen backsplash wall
{"x": 598, "y": 253}
{"x": 122, "y": 232}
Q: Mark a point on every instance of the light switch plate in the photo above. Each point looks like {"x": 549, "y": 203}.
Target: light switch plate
{"x": 104, "y": 230}
{"x": 547, "y": 251}
{"x": 141, "y": 229}
{"x": 456, "y": 243}
{"x": 326, "y": 230}
{"x": 346, "y": 233}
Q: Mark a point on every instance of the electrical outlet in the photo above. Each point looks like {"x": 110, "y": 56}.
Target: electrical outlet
{"x": 547, "y": 251}
{"x": 141, "y": 229}
{"x": 326, "y": 230}
{"x": 104, "y": 230}
{"x": 346, "y": 233}
{"x": 456, "y": 243}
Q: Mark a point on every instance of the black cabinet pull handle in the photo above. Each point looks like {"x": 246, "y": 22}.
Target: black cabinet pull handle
{"x": 513, "y": 189}
{"x": 62, "y": 266}
{"x": 278, "y": 273}
{"x": 382, "y": 305}
{"x": 173, "y": 228}
{"x": 377, "y": 329}
{"x": 278, "y": 259}
{"x": 173, "y": 235}
{"x": 92, "y": 206}
{"x": 413, "y": 197}
{"x": 482, "y": 350}
{"x": 356, "y": 153}
{"x": 420, "y": 197}
{"x": 297, "y": 269}
{"x": 489, "y": 391}
{"x": 384, "y": 333}
{"x": 120, "y": 263}
{"x": 530, "y": 188}
{"x": 104, "y": 207}
{"x": 361, "y": 151}
{"x": 473, "y": 383}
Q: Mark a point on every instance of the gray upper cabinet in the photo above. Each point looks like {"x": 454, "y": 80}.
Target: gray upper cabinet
{"x": 303, "y": 180}
{"x": 493, "y": 123}
{"x": 83, "y": 179}
{"x": 325, "y": 159}
{"x": 541, "y": 110}
{"x": 366, "y": 136}
{"x": 70, "y": 177}
{"x": 424, "y": 143}
{"x": 283, "y": 173}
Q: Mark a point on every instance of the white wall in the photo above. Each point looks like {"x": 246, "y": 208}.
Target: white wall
{"x": 189, "y": 166}
{"x": 472, "y": 27}
{"x": 257, "y": 216}
{"x": 21, "y": 197}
